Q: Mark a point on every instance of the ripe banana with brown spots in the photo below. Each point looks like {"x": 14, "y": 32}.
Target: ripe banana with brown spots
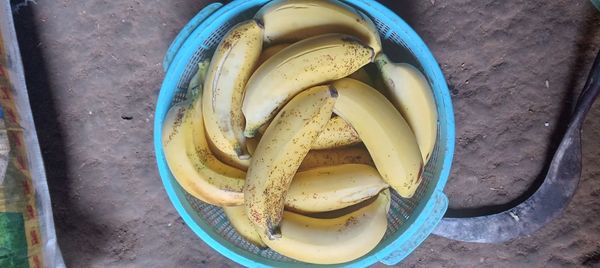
{"x": 345, "y": 185}
{"x": 191, "y": 162}
{"x": 230, "y": 68}
{"x": 294, "y": 20}
{"x": 307, "y": 63}
{"x": 280, "y": 152}
{"x": 219, "y": 146}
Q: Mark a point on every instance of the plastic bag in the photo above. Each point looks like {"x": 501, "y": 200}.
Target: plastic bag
{"x": 27, "y": 235}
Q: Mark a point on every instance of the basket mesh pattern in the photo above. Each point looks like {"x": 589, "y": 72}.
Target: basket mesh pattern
{"x": 401, "y": 209}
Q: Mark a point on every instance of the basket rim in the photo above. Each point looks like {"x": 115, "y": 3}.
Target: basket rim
{"x": 184, "y": 54}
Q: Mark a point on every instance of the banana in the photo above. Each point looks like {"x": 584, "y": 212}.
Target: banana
{"x": 279, "y": 154}
{"x": 384, "y": 132}
{"x": 294, "y": 20}
{"x": 240, "y": 222}
{"x": 356, "y": 154}
{"x": 411, "y": 94}
{"x": 307, "y": 63}
{"x": 337, "y": 133}
{"x": 193, "y": 165}
{"x": 270, "y": 51}
{"x": 230, "y": 68}
{"x": 348, "y": 184}
{"x": 219, "y": 146}
{"x": 333, "y": 241}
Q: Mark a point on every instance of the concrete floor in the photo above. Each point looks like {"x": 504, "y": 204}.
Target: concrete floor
{"x": 94, "y": 72}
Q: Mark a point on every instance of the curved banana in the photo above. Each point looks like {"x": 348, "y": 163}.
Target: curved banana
{"x": 333, "y": 241}
{"x": 348, "y": 184}
{"x": 294, "y": 20}
{"x": 307, "y": 63}
{"x": 240, "y": 222}
{"x": 279, "y": 154}
{"x": 356, "y": 154}
{"x": 384, "y": 132}
{"x": 230, "y": 68}
{"x": 191, "y": 162}
{"x": 411, "y": 94}
{"x": 270, "y": 51}
{"x": 219, "y": 146}
{"x": 337, "y": 133}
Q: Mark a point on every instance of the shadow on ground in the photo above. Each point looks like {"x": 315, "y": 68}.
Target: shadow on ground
{"x": 51, "y": 138}
{"x": 584, "y": 48}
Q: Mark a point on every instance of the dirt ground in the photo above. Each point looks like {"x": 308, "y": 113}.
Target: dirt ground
{"x": 514, "y": 68}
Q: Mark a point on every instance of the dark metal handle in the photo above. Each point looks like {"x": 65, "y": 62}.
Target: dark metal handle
{"x": 588, "y": 95}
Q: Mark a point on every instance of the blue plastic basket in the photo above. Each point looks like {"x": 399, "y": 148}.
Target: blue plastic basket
{"x": 410, "y": 220}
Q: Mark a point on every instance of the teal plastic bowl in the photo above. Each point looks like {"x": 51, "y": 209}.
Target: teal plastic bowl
{"x": 410, "y": 220}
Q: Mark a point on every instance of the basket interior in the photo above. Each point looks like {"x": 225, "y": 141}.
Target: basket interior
{"x": 401, "y": 209}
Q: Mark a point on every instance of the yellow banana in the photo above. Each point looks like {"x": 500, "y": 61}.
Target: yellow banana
{"x": 270, "y": 51}
{"x": 240, "y": 222}
{"x": 356, "y": 154}
{"x": 337, "y": 133}
{"x": 219, "y": 146}
{"x": 348, "y": 184}
{"x": 279, "y": 154}
{"x": 333, "y": 241}
{"x": 294, "y": 20}
{"x": 193, "y": 165}
{"x": 307, "y": 63}
{"x": 411, "y": 94}
{"x": 230, "y": 68}
{"x": 384, "y": 132}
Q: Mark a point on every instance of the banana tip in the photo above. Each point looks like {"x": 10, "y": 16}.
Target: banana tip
{"x": 260, "y": 23}
{"x": 333, "y": 91}
{"x": 274, "y": 232}
{"x": 249, "y": 133}
{"x": 381, "y": 59}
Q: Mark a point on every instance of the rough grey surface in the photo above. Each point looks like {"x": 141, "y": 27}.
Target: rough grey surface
{"x": 513, "y": 68}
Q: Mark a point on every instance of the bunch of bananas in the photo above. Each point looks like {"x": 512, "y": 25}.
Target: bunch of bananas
{"x": 284, "y": 130}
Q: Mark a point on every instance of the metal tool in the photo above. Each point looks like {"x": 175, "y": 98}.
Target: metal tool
{"x": 549, "y": 200}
